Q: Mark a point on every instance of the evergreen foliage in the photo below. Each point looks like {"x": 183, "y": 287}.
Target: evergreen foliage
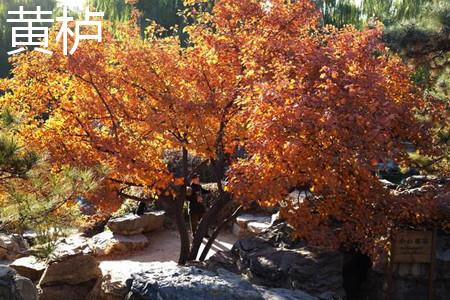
{"x": 33, "y": 195}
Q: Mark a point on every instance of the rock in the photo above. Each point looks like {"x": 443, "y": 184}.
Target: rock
{"x": 273, "y": 259}
{"x": 71, "y": 245}
{"x": 12, "y": 246}
{"x": 127, "y": 225}
{"x": 388, "y": 184}
{"x": 167, "y": 281}
{"x": 153, "y": 221}
{"x": 275, "y": 218}
{"x": 221, "y": 260}
{"x": 29, "y": 267}
{"x": 82, "y": 291}
{"x": 285, "y": 294}
{"x": 3, "y": 251}
{"x": 30, "y": 236}
{"x": 248, "y": 224}
{"x": 244, "y": 219}
{"x": 133, "y": 224}
{"x": 112, "y": 288}
{"x": 238, "y": 230}
{"x": 257, "y": 227}
{"x": 417, "y": 181}
{"x": 73, "y": 269}
{"x": 420, "y": 184}
{"x": 72, "y": 272}
{"x": 15, "y": 287}
{"x": 108, "y": 242}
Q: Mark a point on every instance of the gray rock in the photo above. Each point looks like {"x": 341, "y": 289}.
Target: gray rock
{"x": 153, "y": 220}
{"x": 14, "y": 286}
{"x": 12, "y": 246}
{"x": 29, "y": 267}
{"x": 284, "y": 294}
{"x": 133, "y": 224}
{"x": 249, "y": 224}
{"x": 257, "y": 227}
{"x": 167, "y": 281}
{"x": 273, "y": 259}
{"x": 275, "y": 218}
{"x": 108, "y": 242}
{"x": 388, "y": 184}
{"x": 244, "y": 219}
{"x": 69, "y": 246}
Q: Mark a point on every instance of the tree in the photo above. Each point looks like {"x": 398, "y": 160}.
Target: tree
{"x": 306, "y": 103}
{"x": 97, "y": 107}
{"x": 15, "y": 162}
{"x": 331, "y": 104}
{"x": 35, "y": 196}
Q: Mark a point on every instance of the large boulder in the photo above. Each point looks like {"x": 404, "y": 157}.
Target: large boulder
{"x": 167, "y": 281}
{"x": 14, "y": 286}
{"x": 274, "y": 259}
{"x": 29, "y": 267}
{"x": 108, "y": 242}
{"x": 12, "y": 246}
{"x": 133, "y": 224}
{"x": 72, "y": 272}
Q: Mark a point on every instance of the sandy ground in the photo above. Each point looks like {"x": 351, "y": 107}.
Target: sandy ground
{"x": 164, "y": 246}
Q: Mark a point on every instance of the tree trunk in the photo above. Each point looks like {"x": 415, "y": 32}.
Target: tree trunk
{"x": 205, "y": 223}
{"x": 179, "y": 214}
{"x": 216, "y": 233}
{"x": 212, "y": 214}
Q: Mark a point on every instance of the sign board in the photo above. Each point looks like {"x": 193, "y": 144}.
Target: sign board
{"x": 413, "y": 247}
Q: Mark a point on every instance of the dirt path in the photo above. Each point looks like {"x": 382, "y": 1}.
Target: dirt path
{"x": 164, "y": 246}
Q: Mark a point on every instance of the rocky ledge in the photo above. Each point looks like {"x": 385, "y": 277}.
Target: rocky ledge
{"x": 168, "y": 281}
{"x": 274, "y": 260}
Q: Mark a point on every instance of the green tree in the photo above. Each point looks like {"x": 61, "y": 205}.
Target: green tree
{"x": 33, "y": 194}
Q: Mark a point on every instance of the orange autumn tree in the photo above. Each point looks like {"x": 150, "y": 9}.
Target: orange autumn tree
{"x": 325, "y": 105}
{"x": 103, "y": 106}
{"x": 312, "y": 106}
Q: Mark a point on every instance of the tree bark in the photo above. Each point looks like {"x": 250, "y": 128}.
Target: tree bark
{"x": 179, "y": 214}
{"x": 212, "y": 214}
{"x": 219, "y": 170}
{"x": 216, "y": 233}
